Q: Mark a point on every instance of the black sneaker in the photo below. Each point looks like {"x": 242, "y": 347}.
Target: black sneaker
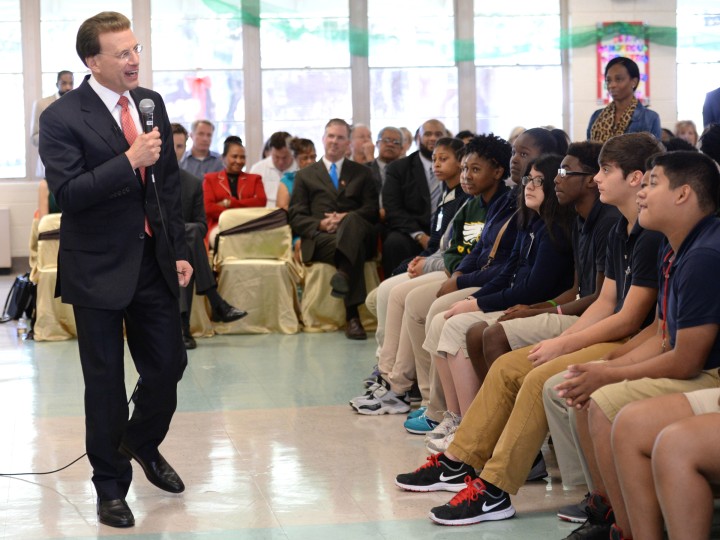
{"x": 600, "y": 518}
{"x": 575, "y": 513}
{"x": 438, "y": 474}
{"x": 473, "y": 505}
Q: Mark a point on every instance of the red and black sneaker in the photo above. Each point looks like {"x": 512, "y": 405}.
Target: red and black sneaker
{"x": 473, "y": 505}
{"x": 438, "y": 474}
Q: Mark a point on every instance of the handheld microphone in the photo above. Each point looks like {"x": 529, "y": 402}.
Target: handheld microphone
{"x": 147, "y": 106}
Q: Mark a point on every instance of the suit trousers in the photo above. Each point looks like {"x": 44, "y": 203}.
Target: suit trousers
{"x": 203, "y": 277}
{"x": 152, "y": 324}
{"x": 421, "y": 306}
{"x": 355, "y": 240}
{"x": 504, "y": 428}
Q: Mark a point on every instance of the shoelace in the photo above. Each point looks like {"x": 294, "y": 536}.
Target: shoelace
{"x": 432, "y": 461}
{"x": 473, "y": 489}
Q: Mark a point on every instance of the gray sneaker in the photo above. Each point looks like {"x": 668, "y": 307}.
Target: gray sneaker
{"x": 575, "y": 513}
{"x": 538, "y": 471}
{"x": 382, "y": 400}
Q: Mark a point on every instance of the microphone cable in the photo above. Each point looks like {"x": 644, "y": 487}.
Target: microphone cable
{"x": 73, "y": 462}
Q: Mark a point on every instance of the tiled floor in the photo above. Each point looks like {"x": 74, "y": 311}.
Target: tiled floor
{"x": 263, "y": 438}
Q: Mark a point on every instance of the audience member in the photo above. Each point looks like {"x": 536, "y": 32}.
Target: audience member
{"x": 515, "y": 133}
{"x": 481, "y": 265}
{"x": 504, "y": 428}
{"x": 231, "y": 187}
{"x": 361, "y": 149}
{"x": 674, "y": 435}
{"x": 685, "y": 129}
{"x": 540, "y": 266}
{"x": 676, "y": 143}
{"x": 272, "y": 168}
{"x": 407, "y": 140}
{"x": 446, "y": 164}
{"x": 389, "y": 145}
{"x": 624, "y": 114}
{"x": 304, "y": 154}
{"x": 203, "y": 279}
{"x": 666, "y": 135}
{"x": 678, "y": 200}
{"x": 200, "y": 160}
{"x": 64, "y": 83}
{"x": 334, "y": 208}
{"x": 465, "y": 136}
{"x": 710, "y": 142}
{"x": 410, "y": 196}
{"x": 711, "y": 108}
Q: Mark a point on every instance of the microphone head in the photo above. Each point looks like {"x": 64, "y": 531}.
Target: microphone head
{"x": 147, "y": 106}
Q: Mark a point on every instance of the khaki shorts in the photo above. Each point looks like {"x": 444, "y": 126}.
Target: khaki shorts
{"x": 613, "y": 397}
{"x": 704, "y": 401}
{"x": 531, "y": 330}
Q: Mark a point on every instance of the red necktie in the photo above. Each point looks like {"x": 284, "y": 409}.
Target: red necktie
{"x": 130, "y": 132}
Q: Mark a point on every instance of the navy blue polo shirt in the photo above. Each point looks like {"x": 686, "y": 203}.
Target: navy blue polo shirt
{"x": 589, "y": 241}
{"x": 693, "y": 278}
{"x": 632, "y": 260}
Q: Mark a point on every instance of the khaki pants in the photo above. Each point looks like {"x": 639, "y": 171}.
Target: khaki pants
{"x": 396, "y": 361}
{"x": 505, "y": 426}
{"x": 421, "y": 306}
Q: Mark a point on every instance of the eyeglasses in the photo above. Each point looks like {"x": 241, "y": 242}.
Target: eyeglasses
{"x": 125, "y": 55}
{"x": 536, "y": 182}
{"x": 386, "y": 140}
{"x": 562, "y": 173}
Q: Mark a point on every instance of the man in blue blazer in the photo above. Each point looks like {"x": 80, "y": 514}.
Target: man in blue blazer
{"x": 122, "y": 258}
{"x": 334, "y": 208}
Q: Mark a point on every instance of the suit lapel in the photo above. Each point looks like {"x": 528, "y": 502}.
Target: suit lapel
{"x": 324, "y": 176}
{"x": 98, "y": 119}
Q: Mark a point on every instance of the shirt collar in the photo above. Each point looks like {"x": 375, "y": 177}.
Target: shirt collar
{"x": 109, "y": 97}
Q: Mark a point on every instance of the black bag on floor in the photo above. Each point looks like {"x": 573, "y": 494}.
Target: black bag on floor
{"x": 20, "y": 300}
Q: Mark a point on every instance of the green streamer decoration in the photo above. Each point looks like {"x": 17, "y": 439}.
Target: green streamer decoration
{"x": 589, "y": 36}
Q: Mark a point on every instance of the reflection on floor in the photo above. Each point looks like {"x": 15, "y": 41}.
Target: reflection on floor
{"x": 263, "y": 438}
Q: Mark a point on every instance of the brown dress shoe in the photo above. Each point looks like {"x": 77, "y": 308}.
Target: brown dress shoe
{"x": 354, "y": 329}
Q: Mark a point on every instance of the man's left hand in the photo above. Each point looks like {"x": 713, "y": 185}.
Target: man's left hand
{"x": 463, "y": 306}
{"x": 582, "y": 381}
{"x": 184, "y": 272}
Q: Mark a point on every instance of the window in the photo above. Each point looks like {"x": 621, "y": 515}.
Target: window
{"x": 197, "y": 55}
{"x": 12, "y": 158}
{"x": 518, "y": 70}
{"x": 698, "y": 56}
{"x": 412, "y": 66}
{"x": 305, "y": 60}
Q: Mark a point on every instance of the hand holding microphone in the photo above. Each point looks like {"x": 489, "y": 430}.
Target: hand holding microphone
{"x": 145, "y": 150}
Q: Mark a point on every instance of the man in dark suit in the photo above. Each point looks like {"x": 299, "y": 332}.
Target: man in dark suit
{"x": 711, "y": 108}
{"x": 333, "y": 208}
{"x": 203, "y": 279}
{"x": 122, "y": 258}
{"x": 389, "y": 145}
{"x": 410, "y": 196}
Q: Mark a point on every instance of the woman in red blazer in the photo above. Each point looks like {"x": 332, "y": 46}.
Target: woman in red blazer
{"x": 231, "y": 187}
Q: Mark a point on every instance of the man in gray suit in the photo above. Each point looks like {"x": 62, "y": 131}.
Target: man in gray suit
{"x": 334, "y": 208}
{"x": 64, "y": 83}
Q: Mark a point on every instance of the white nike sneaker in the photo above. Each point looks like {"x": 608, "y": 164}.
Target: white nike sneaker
{"x": 434, "y": 446}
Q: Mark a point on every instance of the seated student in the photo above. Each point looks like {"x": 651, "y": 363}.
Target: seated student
{"x": 505, "y": 427}
{"x": 668, "y": 461}
{"x": 678, "y": 200}
{"x": 522, "y": 325}
{"x": 539, "y": 267}
{"x": 304, "y": 154}
{"x": 484, "y": 164}
{"x": 231, "y": 187}
{"x": 476, "y": 269}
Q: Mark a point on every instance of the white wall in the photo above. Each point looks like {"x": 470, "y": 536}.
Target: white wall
{"x": 21, "y": 197}
{"x": 583, "y": 62}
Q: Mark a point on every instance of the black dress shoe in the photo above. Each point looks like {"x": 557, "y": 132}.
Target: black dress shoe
{"x": 226, "y": 313}
{"x": 340, "y": 283}
{"x": 189, "y": 342}
{"x": 354, "y": 329}
{"x": 158, "y": 472}
{"x": 115, "y": 513}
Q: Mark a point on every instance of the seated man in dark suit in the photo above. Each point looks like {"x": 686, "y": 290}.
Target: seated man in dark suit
{"x": 193, "y": 211}
{"x": 333, "y": 208}
{"x": 410, "y": 196}
{"x": 389, "y": 145}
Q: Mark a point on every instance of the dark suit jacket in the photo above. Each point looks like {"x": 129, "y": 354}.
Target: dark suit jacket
{"x": 406, "y": 197}
{"x": 377, "y": 176}
{"x": 193, "y": 204}
{"x": 104, "y": 201}
{"x": 314, "y": 194}
{"x": 711, "y": 108}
